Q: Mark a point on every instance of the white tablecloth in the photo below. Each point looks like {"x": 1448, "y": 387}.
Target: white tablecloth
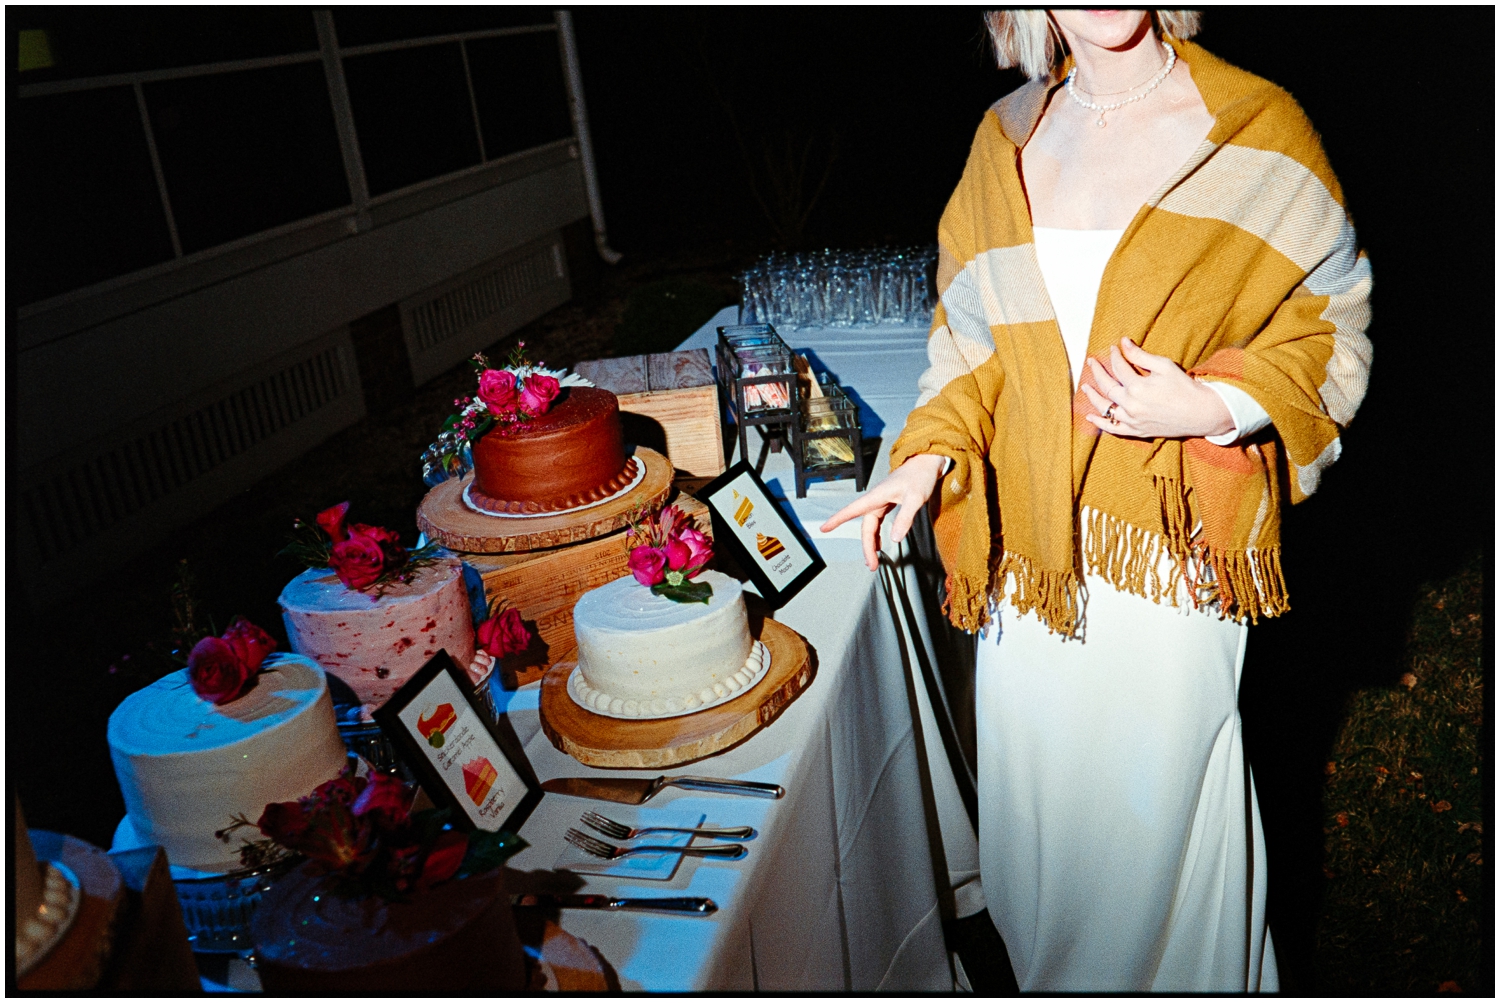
{"x": 850, "y": 874}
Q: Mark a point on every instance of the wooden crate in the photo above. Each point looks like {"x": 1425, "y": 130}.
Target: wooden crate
{"x": 545, "y": 584}
{"x": 670, "y": 403}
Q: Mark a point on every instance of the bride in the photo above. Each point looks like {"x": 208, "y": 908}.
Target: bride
{"x": 1150, "y": 335}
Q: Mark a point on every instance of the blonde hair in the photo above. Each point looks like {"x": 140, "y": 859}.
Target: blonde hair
{"x": 1029, "y": 38}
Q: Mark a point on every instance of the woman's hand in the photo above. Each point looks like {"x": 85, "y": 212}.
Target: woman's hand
{"x": 1166, "y": 403}
{"x": 909, "y": 486}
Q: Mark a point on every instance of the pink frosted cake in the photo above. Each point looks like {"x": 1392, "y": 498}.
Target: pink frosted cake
{"x": 376, "y": 645}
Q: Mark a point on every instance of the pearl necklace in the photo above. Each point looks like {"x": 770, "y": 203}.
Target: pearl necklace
{"x": 1150, "y": 86}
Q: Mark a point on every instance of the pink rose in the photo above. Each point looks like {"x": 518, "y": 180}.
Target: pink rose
{"x": 678, "y": 554}
{"x": 504, "y": 634}
{"x": 358, "y": 561}
{"x": 700, "y": 548}
{"x": 497, "y": 388}
{"x": 250, "y": 644}
{"x": 331, "y": 521}
{"x": 216, "y": 672}
{"x": 538, "y": 394}
{"x": 649, "y": 565}
{"x": 386, "y": 797}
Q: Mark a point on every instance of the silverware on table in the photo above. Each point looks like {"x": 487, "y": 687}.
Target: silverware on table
{"x": 694, "y": 906}
{"x": 639, "y": 791}
{"x": 608, "y": 851}
{"x": 618, "y": 830}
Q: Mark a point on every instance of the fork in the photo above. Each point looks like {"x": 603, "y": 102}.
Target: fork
{"x": 618, "y": 830}
{"x": 599, "y": 848}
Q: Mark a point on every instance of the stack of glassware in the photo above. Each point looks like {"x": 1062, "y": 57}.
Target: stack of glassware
{"x": 889, "y": 286}
{"x": 759, "y": 381}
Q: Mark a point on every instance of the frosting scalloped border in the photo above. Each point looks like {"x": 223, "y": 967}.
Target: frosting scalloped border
{"x": 629, "y": 476}
{"x": 757, "y": 664}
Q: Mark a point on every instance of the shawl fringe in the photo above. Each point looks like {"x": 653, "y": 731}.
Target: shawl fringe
{"x": 1055, "y": 596}
{"x": 1246, "y": 583}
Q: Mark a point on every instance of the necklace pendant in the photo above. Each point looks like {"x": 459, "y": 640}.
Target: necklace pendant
{"x": 1100, "y": 123}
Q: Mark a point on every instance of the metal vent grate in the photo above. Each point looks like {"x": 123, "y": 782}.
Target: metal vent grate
{"x": 70, "y": 508}
{"x": 459, "y": 309}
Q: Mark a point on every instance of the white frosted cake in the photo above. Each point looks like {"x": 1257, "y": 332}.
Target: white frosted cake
{"x": 376, "y": 645}
{"x": 187, "y": 766}
{"x": 645, "y": 656}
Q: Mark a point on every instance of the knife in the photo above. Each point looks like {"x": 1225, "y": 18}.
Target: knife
{"x": 696, "y": 907}
{"x": 638, "y": 791}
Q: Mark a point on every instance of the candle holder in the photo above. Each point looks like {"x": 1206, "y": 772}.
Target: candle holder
{"x": 759, "y": 380}
{"x": 828, "y": 442}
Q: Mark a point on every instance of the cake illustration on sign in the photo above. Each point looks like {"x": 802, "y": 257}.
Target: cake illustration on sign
{"x": 434, "y": 725}
{"x": 479, "y": 777}
{"x": 768, "y": 546}
{"x": 743, "y": 510}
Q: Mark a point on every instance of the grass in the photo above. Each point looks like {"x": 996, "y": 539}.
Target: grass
{"x": 1408, "y": 897}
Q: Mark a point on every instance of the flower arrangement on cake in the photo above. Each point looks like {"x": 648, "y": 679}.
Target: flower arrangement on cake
{"x": 502, "y": 636}
{"x": 361, "y": 833}
{"x": 667, "y": 552}
{"x": 363, "y": 557}
{"x": 387, "y": 900}
{"x": 507, "y": 397}
{"x": 221, "y": 669}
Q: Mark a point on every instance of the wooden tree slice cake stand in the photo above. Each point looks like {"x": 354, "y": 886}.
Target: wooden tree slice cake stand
{"x": 596, "y": 740}
{"x": 445, "y": 518}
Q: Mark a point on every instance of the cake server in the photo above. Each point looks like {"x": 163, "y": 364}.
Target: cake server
{"x": 696, "y": 907}
{"x": 627, "y": 790}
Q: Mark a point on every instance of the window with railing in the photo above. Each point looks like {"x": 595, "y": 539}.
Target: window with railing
{"x": 146, "y": 136}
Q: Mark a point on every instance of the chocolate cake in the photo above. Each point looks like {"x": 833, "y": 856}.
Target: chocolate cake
{"x": 456, "y": 939}
{"x": 570, "y": 456}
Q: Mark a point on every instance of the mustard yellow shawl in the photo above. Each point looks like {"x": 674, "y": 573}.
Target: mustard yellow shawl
{"x": 1243, "y": 267}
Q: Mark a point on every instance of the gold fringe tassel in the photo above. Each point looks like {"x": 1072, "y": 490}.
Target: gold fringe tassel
{"x": 1246, "y": 583}
{"x": 1053, "y": 595}
{"x": 967, "y": 605}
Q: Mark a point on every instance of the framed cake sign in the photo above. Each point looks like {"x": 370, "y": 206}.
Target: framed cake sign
{"x": 463, "y": 759}
{"x": 769, "y": 547}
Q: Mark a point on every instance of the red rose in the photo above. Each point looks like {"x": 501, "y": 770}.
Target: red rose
{"x": 389, "y": 539}
{"x": 250, "y": 644}
{"x": 385, "y": 798}
{"x": 336, "y": 838}
{"x": 284, "y": 821}
{"x": 444, "y": 859}
{"x": 538, "y": 394}
{"x": 504, "y": 634}
{"x": 678, "y": 554}
{"x": 331, "y": 521}
{"x": 342, "y": 789}
{"x": 700, "y": 548}
{"x": 497, "y": 388}
{"x": 649, "y": 565}
{"x": 216, "y": 672}
{"x": 358, "y": 561}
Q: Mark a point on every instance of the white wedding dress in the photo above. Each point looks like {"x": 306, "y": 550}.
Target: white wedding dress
{"x": 1120, "y": 842}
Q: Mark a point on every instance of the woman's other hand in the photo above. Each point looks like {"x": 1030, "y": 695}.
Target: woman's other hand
{"x": 1166, "y": 403}
{"x": 909, "y": 486}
